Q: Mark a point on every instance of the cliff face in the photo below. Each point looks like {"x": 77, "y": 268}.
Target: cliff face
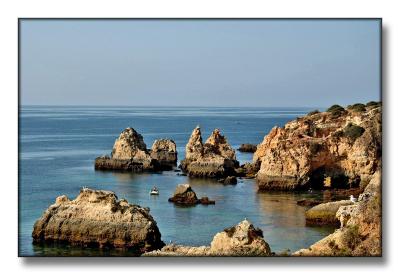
{"x": 360, "y": 232}
{"x": 240, "y": 240}
{"x": 339, "y": 148}
{"x": 214, "y": 158}
{"x": 97, "y": 218}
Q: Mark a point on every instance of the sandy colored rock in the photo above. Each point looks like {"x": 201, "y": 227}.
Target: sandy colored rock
{"x": 360, "y": 232}
{"x": 344, "y": 146}
{"x": 96, "y": 218}
{"x": 240, "y": 240}
{"x": 325, "y": 213}
{"x": 164, "y": 151}
{"x": 184, "y": 195}
{"x": 214, "y": 158}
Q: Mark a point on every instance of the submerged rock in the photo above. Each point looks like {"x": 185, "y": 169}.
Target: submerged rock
{"x": 333, "y": 149}
{"x": 214, "y": 158}
{"x": 360, "y": 231}
{"x": 184, "y": 195}
{"x": 131, "y": 154}
{"x": 164, "y": 151}
{"x": 228, "y": 180}
{"x": 247, "y": 148}
{"x": 325, "y": 213}
{"x": 248, "y": 170}
{"x": 240, "y": 240}
{"x": 96, "y": 218}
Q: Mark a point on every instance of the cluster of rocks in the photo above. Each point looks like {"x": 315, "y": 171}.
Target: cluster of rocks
{"x": 360, "y": 227}
{"x": 340, "y": 148}
{"x": 96, "y": 218}
{"x": 214, "y": 159}
{"x": 184, "y": 195}
{"x": 240, "y": 240}
{"x": 130, "y": 153}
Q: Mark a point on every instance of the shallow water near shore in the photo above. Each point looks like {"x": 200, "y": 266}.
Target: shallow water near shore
{"x": 58, "y": 146}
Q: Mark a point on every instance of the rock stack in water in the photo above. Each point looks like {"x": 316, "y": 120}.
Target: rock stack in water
{"x": 131, "y": 154}
{"x": 240, "y": 240}
{"x": 339, "y": 148}
{"x": 184, "y": 195}
{"x": 97, "y": 218}
{"x": 164, "y": 151}
{"x": 215, "y": 158}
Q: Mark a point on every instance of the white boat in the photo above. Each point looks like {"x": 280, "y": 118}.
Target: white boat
{"x": 154, "y": 191}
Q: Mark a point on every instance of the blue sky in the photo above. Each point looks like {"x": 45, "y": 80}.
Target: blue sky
{"x": 199, "y": 62}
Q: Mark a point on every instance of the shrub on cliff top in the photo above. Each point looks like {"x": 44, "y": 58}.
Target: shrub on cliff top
{"x": 358, "y": 107}
{"x": 313, "y": 113}
{"x": 353, "y": 131}
{"x": 336, "y": 111}
{"x": 334, "y": 108}
{"x": 373, "y": 104}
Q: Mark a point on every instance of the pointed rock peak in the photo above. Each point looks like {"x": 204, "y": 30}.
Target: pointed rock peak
{"x": 216, "y": 138}
{"x": 129, "y": 145}
{"x": 194, "y": 147}
{"x": 196, "y": 134}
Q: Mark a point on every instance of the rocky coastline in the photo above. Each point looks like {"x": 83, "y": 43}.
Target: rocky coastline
{"x": 338, "y": 150}
{"x": 242, "y": 240}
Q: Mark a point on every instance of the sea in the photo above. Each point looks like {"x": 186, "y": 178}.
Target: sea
{"x": 58, "y": 145}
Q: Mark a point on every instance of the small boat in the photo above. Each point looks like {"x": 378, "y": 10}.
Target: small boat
{"x": 154, "y": 191}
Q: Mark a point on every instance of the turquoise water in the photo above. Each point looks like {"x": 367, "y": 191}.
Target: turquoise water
{"x": 59, "y": 144}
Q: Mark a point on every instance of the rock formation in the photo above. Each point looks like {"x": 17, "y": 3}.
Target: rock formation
{"x": 339, "y": 148}
{"x": 325, "y": 213}
{"x": 214, "y": 158}
{"x": 247, "y": 148}
{"x": 360, "y": 232}
{"x": 164, "y": 151}
{"x": 97, "y": 218}
{"x": 248, "y": 170}
{"x": 228, "y": 180}
{"x": 240, "y": 240}
{"x": 184, "y": 195}
{"x": 131, "y": 154}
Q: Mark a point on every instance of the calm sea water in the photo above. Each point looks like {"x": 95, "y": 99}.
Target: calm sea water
{"x": 58, "y": 146}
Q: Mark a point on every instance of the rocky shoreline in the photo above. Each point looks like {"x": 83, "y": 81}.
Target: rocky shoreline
{"x": 338, "y": 150}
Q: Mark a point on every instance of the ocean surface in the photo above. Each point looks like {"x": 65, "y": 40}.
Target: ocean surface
{"x": 58, "y": 146}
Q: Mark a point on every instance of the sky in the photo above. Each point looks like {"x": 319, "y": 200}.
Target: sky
{"x": 227, "y": 63}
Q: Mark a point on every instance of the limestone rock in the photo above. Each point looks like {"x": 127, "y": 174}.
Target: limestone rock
{"x": 164, "y": 151}
{"x": 248, "y": 170}
{"x": 96, "y": 218}
{"x": 184, "y": 195}
{"x": 131, "y": 154}
{"x": 240, "y": 240}
{"x": 214, "y": 158}
{"x": 360, "y": 232}
{"x": 344, "y": 146}
{"x": 228, "y": 180}
{"x": 325, "y": 213}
